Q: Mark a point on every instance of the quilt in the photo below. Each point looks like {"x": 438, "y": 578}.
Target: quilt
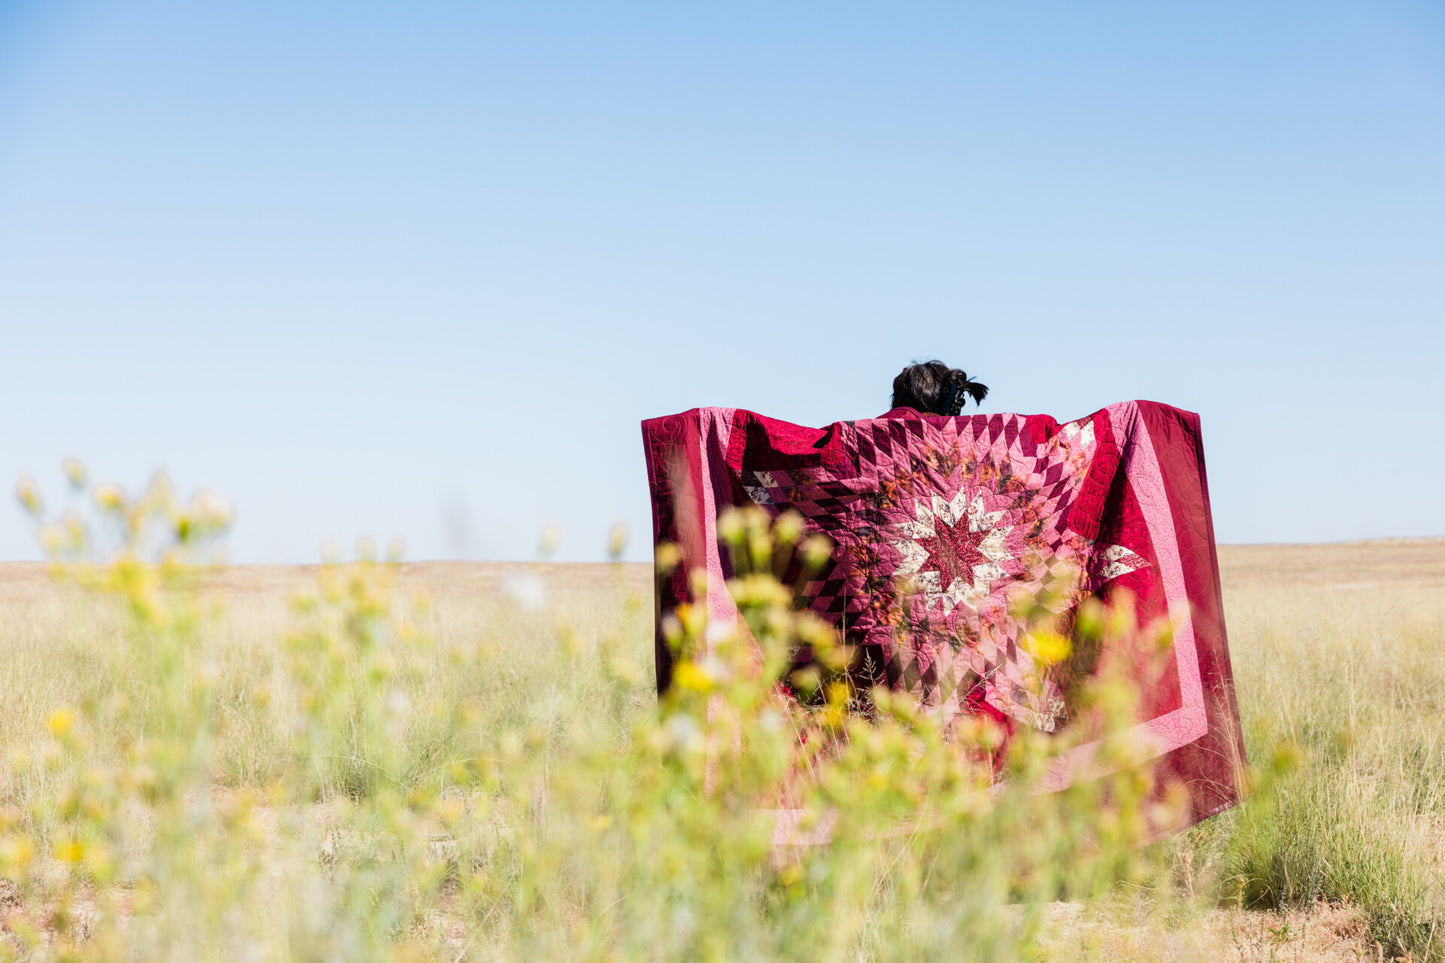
{"x": 938, "y": 523}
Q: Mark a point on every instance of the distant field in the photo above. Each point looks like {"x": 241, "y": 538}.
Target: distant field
{"x": 1338, "y": 651}
{"x": 1386, "y": 562}
{"x": 1404, "y": 562}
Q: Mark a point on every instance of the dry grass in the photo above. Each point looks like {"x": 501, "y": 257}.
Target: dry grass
{"x": 1338, "y": 650}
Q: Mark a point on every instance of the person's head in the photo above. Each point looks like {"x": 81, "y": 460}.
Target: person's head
{"x": 934, "y": 388}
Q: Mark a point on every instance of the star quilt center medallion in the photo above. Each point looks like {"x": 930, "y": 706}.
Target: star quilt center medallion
{"x": 953, "y": 550}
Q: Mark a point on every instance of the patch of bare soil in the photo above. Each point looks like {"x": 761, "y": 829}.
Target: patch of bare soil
{"x": 1324, "y": 933}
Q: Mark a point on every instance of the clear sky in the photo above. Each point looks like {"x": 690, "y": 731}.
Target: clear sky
{"x": 419, "y": 269}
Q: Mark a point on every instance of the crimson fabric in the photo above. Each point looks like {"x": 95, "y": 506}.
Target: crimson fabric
{"x": 940, "y": 523}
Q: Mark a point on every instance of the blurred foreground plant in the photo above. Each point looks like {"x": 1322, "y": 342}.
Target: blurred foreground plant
{"x": 405, "y": 817}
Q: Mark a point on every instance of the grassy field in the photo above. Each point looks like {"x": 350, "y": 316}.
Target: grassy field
{"x": 460, "y": 761}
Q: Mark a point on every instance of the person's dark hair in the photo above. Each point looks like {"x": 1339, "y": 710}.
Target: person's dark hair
{"x": 933, "y": 387}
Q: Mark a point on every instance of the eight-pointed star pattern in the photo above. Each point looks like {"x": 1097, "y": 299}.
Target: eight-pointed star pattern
{"x": 949, "y": 521}
{"x": 953, "y": 550}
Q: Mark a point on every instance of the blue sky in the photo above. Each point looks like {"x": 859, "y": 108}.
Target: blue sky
{"x": 420, "y": 269}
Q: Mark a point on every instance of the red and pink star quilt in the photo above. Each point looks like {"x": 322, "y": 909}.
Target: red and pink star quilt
{"x": 939, "y": 523}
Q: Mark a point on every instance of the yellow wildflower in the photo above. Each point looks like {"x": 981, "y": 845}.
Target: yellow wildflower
{"x": 60, "y": 721}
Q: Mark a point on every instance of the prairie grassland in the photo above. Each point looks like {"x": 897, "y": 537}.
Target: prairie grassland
{"x": 459, "y": 761}
{"x": 1339, "y": 651}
